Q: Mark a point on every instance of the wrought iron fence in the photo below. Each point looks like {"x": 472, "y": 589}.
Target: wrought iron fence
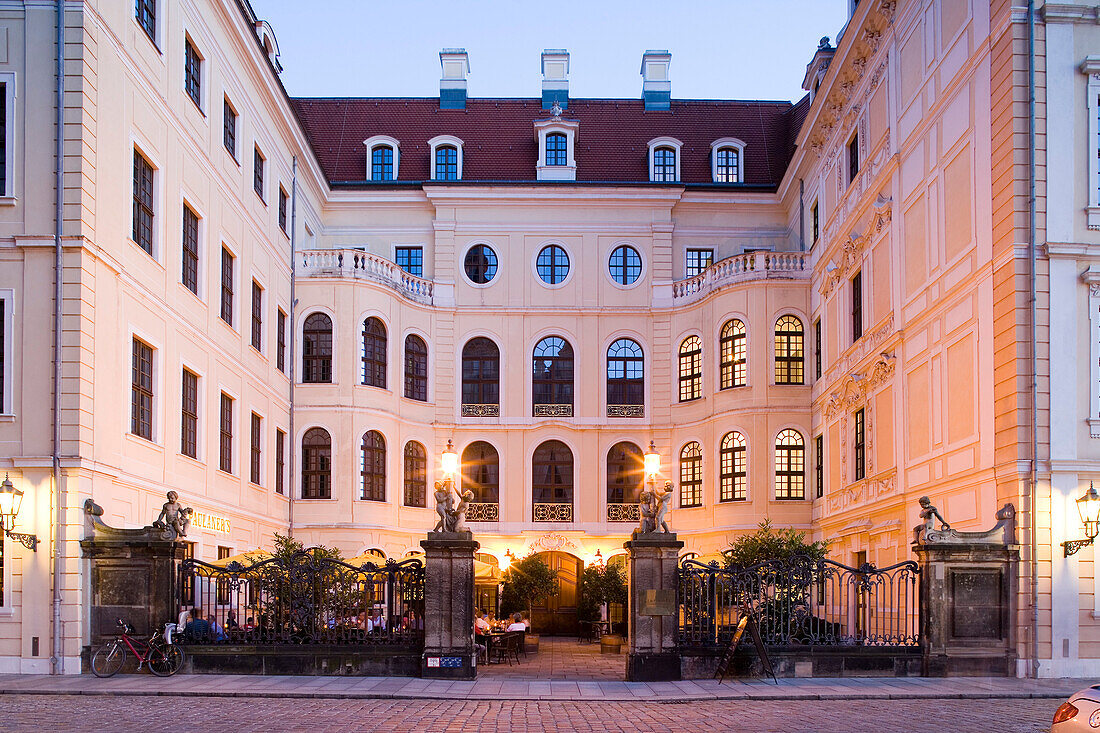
{"x": 801, "y": 602}
{"x": 305, "y": 599}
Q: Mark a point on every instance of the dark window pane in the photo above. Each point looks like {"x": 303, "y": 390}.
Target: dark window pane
{"x": 280, "y": 461}
{"x": 257, "y": 316}
{"x": 556, "y": 149}
{"x": 481, "y": 472}
{"x": 282, "y": 208}
{"x": 258, "y": 173}
{"x": 227, "y": 287}
{"x": 141, "y": 407}
{"x": 733, "y": 354}
{"x": 373, "y": 467}
{"x": 480, "y": 264}
{"x": 381, "y": 163}
{"x": 691, "y": 475}
{"x": 146, "y": 13}
{"x": 416, "y": 369}
{"x": 316, "y": 465}
{"x": 625, "y": 373}
{"x": 446, "y": 163}
{"x": 552, "y": 264}
{"x": 280, "y": 346}
{"x": 143, "y": 203}
{"x": 480, "y": 372}
{"x": 229, "y": 128}
{"x": 225, "y": 443}
{"x": 626, "y": 265}
{"x": 317, "y": 349}
{"x": 411, "y": 260}
{"x": 256, "y": 453}
{"x": 552, "y": 473}
{"x": 552, "y": 372}
{"x": 374, "y": 353}
{"x": 190, "y": 275}
{"x": 625, "y": 474}
{"x": 189, "y": 419}
{"x": 416, "y": 474}
{"x": 192, "y": 73}
{"x": 732, "y": 467}
{"x": 664, "y": 164}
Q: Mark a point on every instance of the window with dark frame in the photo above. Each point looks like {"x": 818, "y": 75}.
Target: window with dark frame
{"x": 728, "y": 165}
{"x": 416, "y": 474}
{"x": 280, "y": 462}
{"x": 691, "y": 369}
{"x": 552, "y": 474}
{"x": 416, "y": 368}
{"x": 552, "y": 373}
{"x": 316, "y": 464}
{"x": 141, "y": 403}
{"x": 4, "y": 152}
{"x": 691, "y": 475}
{"x": 625, "y": 265}
{"x": 222, "y": 584}
{"x": 229, "y": 128}
{"x": 446, "y": 163}
{"x": 857, "y": 306}
{"x": 790, "y": 466}
{"x": 280, "y": 341}
{"x": 480, "y": 372}
{"x": 552, "y": 264}
{"x": 732, "y": 468}
{"x": 145, "y": 11}
{"x": 817, "y": 349}
{"x": 381, "y": 163}
{"x": 258, "y": 173}
{"x": 819, "y": 465}
{"x": 556, "y": 149}
{"x": 814, "y": 230}
{"x": 374, "y": 353}
{"x": 733, "y": 357}
{"x": 227, "y": 286}
{"x": 625, "y": 473}
{"x": 190, "y": 272}
{"x": 192, "y": 72}
{"x": 625, "y": 373}
{"x": 3, "y": 367}
{"x": 698, "y": 260}
{"x": 256, "y": 452}
{"x": 373, "y": 467}
{"x": 480, "y": 264}
{"x": 789, "y": 351}
{"x": 481, "y": 472}
{"x": 859, "y": 444}
{"x": 411, "y": 260}
{"x": 853, "y": 158}
{"x": 225, "y": 438}
{"x": 257, "y": 316}
{"x": 317, "y": 349}
{"x": 143, "y": 203}
{"x": 282, "y": 209}
{"x": 189, "y": 415}
{"x": 664, "y": 165}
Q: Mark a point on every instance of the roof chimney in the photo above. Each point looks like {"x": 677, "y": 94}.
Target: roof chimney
{"x": 452, "y": 85}
{"x": 656, "y": 87}
{"x": 555, "y": 78}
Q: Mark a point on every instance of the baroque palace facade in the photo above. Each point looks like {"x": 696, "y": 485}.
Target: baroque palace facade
{"x": 287, "y": 309}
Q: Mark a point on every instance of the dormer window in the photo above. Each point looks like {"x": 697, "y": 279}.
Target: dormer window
{"x": 446, "y": 152}
{"x": 557, "y": 140}
{"x": 555, "y": 149}
{"x": 726, "y": 160}
{"x": 664, "y": 160}
{"x": 383, "y": 158}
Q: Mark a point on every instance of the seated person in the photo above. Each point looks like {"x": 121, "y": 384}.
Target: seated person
{"x": 481, "y": 624}
{"x": 378, "y": 621}
{"x": 526, "y": 621}
{"x": 517, "y": 623}
{"x": 231, "y": 621}
{"x": 217, "y": 633}
{"x": 198, "y": 628}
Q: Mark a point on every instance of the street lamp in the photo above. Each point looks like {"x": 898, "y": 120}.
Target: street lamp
{"x": 10, "y": 500}
{"x": 599, "y": 559}
{"x": 652, "y": 462}
{"x": 450, "y": 461}
{"x": 1088, "y": 507}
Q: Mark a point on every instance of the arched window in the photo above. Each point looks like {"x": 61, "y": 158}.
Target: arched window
{"x": 381, "y": 163}
{"x": 556, "y": 149}
{"x": 625, "y": 379}
{"x": 691, "y": 475}
{"x": 446, "y": 163}
{"x": 625, "y": 265}
{"x": 480, "y": 378}
{"x": 416, "y": 474}
{"x": 664, "y": 164}
{"x": 733, "y": 476}
{"x": 790, "y": 465}
{"x": 480, "y": 264}
{"x": 691, "y": 369}
{"x": 731, "y": 345}
{"x": 552, "y": 264}
{"x": 416, "y": 368}
{"x": 316, "y": 464}
{"x": 317, "y": 349}
{"x": 625, "y": 478}
{"x": 374, "y": 353}
{"x": 552, "y": 378}
{"x": 552, "y": 482}
{"x": 481, "y": 473}
{"x": 727, "y": 165}
{"x": 373, "y": 468}
{"x": 788, "y": 351}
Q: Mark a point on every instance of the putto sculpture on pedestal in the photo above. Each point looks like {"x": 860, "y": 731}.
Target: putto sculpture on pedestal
{"x": 451, "y": 507}
{"x": 653, "y": 507}
{"x": 174, "y": 516}
{"x": 926, "y": 532}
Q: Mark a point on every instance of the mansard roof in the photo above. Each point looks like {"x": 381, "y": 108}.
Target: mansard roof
{"x": 499, "y": 143}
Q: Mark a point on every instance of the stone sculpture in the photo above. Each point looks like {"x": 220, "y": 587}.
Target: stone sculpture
{"x": 653, "y": 506}
{"x": 464, "y": 500}
{"x": 926, "y": 533}
{"x": 444, "y": 506}
{"x": 174, "y": 516}
{"x": 928, "y": 515}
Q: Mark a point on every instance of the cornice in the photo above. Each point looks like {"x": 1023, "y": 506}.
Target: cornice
{"x": 1069, "y": 13}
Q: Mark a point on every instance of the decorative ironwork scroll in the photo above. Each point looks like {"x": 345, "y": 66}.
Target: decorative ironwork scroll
{"x": 553, "y": 410}
{"x": 553, "y": 512}
{"x": 622, "y": 513}
{"x": 626, "y": 410}
{"x": 472, "y": 410}
{"x": 482, "y": 512}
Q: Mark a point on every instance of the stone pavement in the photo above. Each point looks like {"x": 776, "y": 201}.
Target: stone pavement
{"x": 561, "y": 659}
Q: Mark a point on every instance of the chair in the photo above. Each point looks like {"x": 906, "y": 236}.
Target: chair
{"x": 505, "y": 648}
{"x": 521, "y": 644}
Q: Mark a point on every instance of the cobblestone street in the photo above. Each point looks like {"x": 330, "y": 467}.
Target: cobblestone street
{"x": 47, "y": 713}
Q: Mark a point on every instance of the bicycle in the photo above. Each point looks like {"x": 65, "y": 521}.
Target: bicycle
{"x": 162, "y": 657}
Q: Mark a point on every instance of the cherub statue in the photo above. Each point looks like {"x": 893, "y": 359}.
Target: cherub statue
{"x": 172, "y": 515}
{"x": 928, "y": 515}
{"x": 464, "y": 499}
{"x": 661, "y": 499}
{"x": 647, "y": 510}
{"x": 444, "y": 504}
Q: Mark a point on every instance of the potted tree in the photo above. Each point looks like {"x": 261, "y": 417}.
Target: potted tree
{"x": 600, "y": 587}
{"x": 526, "y": 581}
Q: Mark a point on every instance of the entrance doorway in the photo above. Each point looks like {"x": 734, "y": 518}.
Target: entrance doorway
{"x": 557, "y": 615}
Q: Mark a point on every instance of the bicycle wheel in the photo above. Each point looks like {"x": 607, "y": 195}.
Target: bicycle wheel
{"x": 165, "y": 660}
{"x": 108, "y": 659}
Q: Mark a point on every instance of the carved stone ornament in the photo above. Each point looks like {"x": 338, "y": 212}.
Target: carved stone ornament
{"x": 156, "y": 532}
{"x": 1003, "y": 533}
{"x": 855, "y": 388}
{"x": 653, "y": 507}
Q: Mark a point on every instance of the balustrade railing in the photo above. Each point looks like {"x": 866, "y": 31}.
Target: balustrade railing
{"x": 482, "y": 512}
{"x": 552, "y": 513}
{"x": 623, "y": 513}
{"x": 740, "y": 268}
{"x": 359, "y": 264}
{"x": 472, "y": 410}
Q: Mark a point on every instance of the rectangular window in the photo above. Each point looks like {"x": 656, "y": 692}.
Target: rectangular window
{"x": 192, "y": 73}
{"x": 280, "y": 461}
{"x": 256, "y": 453}
{"x": 5, "y": 408}
{"x": 282, "y": 209}
{"x": 280, "y": 346}
{"x": 141, "y": 403}
{"x": 853, "y": 158}
{"x": 860, "y": 445}
{"x": 189, "y": 415}
{"x": 229, "y": 129}
{"x": 223, "y": 584}
{"x": 143, "y": 203}
{"x": 227, "y": 286}
{"x": 225, "y": 441}
{"x": 190, "y": 273}
{"x": 4, "y": 141}
{"x": 257, "y": 316}
{"x": 814, "y": 225}
{"x": 187, "y": 582}
{"x": 258, "y": 173}
{"x": 145, "y": 11}
{"x": 817, "y": 349}
{"x": 411, "y": 260}
{"x": 698, "y": 260}
{"x": 857, "y": 306}
{"x": 819, "y": 467}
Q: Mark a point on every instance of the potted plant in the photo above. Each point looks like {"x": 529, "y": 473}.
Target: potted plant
{"x": 600, "y": 587}
{"x": 526, "y": 581}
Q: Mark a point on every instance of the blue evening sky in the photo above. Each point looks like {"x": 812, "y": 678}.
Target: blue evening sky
{"x": 732, "y": 49}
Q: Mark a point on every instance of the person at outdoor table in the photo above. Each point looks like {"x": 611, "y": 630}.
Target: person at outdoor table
{"x": 415, "y": 622}
{"x": 526, "y": 621}
{"x": 198, "y": 628}
{"x": 250, "y": 623}
{"x": 378, "y": 621}
{"x": 481, "y": 624}
{"x": 363, "y": 622}
{"x": 231, "y": 621}
{"x": 217, "y": 633}
{"x": 517, "y": 623}
{"x": 493, "y": 623}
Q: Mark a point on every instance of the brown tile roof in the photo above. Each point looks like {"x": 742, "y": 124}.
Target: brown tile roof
{"x": 499, "y": 139}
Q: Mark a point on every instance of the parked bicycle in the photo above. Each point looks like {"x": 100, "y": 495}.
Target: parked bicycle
{"x": 159, "y": 654}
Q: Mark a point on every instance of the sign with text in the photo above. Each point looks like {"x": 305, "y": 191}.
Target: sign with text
{"x": 212, "y": 522}
{"x": 657, "y": 603}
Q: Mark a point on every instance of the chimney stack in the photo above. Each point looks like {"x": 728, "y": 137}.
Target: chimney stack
{"x": 555, "y": 78}
{"x": 452, "y": 85}
{"x": 656, "y": 87}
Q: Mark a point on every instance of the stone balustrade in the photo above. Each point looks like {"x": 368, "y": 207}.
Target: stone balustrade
{"x": 357, "y": 264}
{"x": 742, "y": 268}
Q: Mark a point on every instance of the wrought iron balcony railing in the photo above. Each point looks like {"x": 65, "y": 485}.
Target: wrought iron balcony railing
{"x": 553, "y": 512}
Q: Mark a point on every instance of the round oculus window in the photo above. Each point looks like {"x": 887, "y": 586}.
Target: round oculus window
{"x": 480, "y": 264}
{"x": 625, "y": 265}
{"x": 552, "y": 264}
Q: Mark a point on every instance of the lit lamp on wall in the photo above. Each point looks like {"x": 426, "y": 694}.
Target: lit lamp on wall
{"x": 599, "y": 559}
{"x": 509, "y": 558}
{"x": 10, "y": 500}
{"x": 1088, "y": 507}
